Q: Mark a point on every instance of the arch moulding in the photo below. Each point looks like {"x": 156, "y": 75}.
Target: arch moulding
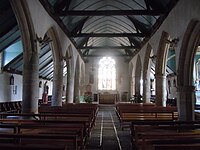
{"x": 185, "y": 88}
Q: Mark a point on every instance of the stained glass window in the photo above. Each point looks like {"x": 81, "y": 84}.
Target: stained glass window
{"x": 107, "y": 74}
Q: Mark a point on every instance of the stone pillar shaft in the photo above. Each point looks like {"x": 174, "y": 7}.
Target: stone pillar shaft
{"x": 146, "y": 90}
{"x": 69, "y": 90}
{"x": 30, "y": 81}
{"x": 137, "y": 84}
{"x": 186, "y": 97}
{"x": 57, "y": 84}
{"x": 161, "y": 91}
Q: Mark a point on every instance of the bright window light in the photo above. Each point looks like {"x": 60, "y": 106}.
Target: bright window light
{"x": 107, "y": 74}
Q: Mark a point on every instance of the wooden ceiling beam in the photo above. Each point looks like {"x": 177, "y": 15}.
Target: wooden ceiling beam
{"x": 101, "y": 55}
{"x": 108, "y": 47}
{"x": 110, "y": 35}
{"x": 110, "y": 12}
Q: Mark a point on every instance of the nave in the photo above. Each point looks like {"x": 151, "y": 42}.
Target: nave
{"x": 107, "y": 133}
{"x": 80, "y": 126}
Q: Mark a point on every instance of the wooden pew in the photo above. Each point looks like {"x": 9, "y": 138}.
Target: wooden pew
{"x": 148, "y": 140}
{"x": 10, "y": 107}
{"x": 64, "y": 129}
{"x": 132, "y": 113}
{"x": 144, "y": 136}
{"x": 90, "y": 109}
{"x": 159, "y": 123}
{"x": 34, "y": 127}
{"x": 41, "y": 139}
{"x": 70, "y": 117}
{"x": 67, "y": 115}
{"x": 71, "y": 127}
{"x": 10, "y": 146}
{"x": 121, "y": 107}
{"x": 195, "y": 146}
{"x": 8, "y": 128}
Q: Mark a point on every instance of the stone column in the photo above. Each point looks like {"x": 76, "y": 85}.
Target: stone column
{"x": 69, "y": 90}
{"x": 76, "y": 92}
{"x": 1, "y": 60}
{"x": 130, "y": 87}
{"x": 30, "y": 79}
{"x": 30, "y": 57}
{"x": 57, "y": 84}
{"x": 76, "y": 86}
{"x": 137, "y": 84}
{"x": 146, "y": 90}
{"x": 186, "y": 97}
{"x": 161, "y": 91}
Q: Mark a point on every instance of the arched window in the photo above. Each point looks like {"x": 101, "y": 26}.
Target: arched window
{"x": 107, "y": 74}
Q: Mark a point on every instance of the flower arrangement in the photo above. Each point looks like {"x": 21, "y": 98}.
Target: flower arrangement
{"x": 88, "y": 99}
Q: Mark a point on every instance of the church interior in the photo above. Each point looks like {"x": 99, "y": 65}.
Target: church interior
{"x": 100, "y": 74}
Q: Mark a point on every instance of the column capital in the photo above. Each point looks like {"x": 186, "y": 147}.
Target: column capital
{"x": 160, "y": 75}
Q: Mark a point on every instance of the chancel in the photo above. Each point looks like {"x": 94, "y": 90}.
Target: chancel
{"x": 100, "y": 74}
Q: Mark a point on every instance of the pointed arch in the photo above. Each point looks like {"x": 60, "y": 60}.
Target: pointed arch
{"x": 58, "y": 67}
{"x": 162, "y": 53}
{"x": 187, "y": 53}
{"x": 146, "y": 75}
{"x": 30, "y": 57}
{"x": 160, "y": 69}
{"x": 185, "y": 93}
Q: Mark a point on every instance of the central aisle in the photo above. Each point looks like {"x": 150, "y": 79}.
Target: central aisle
{"x": 107, "y": 134}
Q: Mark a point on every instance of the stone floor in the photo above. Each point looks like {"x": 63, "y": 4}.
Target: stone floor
{"x": 107, "y": 134}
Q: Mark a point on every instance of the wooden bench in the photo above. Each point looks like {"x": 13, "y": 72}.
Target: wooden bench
{"x": 41, "y": 139}
{"x": 195, "y": 146}
{"x": 68, "y": 117}
{"x": 66, "y": 129}
{"x": 148, "y": 140}
{"x": 91, "y": 110}
{"x": 19, "y": 122}
{"x": 149, "y": 112}
{"x": 10, "y": 107}
{"x": 144, "y": 136}
{"x": 49, "y": 118}
{"x": 160, "y": 123}
{"x": 121, "y": 107}
{"x": 36, "y": 127}
{"x": 10, "y": 146}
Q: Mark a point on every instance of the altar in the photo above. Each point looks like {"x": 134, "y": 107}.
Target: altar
{"x": 107, "y": 98}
